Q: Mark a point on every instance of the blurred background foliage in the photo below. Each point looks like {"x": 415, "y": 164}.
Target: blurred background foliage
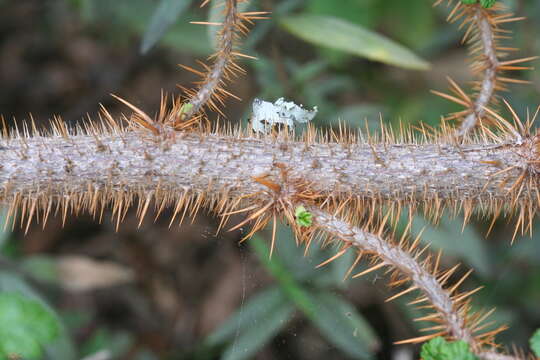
{"x": 185, "y": 293}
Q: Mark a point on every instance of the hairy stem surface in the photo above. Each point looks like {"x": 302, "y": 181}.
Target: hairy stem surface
{"x": 210, "y": 163}
{"x": 450, "y": 312}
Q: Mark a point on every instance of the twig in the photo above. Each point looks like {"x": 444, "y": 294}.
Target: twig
{"x": 451, "y": 309}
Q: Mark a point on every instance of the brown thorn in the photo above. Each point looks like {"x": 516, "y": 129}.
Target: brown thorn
{"x": 412, "y": 288}
{"x": 373, "y": 268}
{"x": 336, "y": 256}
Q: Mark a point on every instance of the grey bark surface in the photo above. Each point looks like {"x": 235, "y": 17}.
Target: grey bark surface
{"x": 212, "y": 163}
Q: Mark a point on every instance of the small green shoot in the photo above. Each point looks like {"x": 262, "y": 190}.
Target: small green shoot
{"x": 186, "y": 108}
{"x": 440, "y": 349}
{"x": 303, "y": 217}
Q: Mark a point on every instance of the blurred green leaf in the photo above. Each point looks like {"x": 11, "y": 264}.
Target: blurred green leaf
{"x": 75, "y": 319}
{"x": 249, "y": 342}
{"x": 410, "y": 313}
{"x": 17, "y": 344}
{"x": 261, "y": 30}
{"x": 188, "y": 38}
{"x": 535, "y": 343}
{"x": 362, "y": 12}
{"x": 440, "y": 349}
{"x": 301, "y": 74}
{"x": 336, "y": 319}
{"x": 253, "y": 325}
{"x": 266, "y": 73}
{"x": 343, "y": 326}
{"x": 525, "y": 249}
{"x": 288, "y": 284}
{"x": 122, "y": 18}
{"x": 447, "y": 236}
{"x": 356, "y": 116}
{"x": 301, "y": 267}
{"x": 166, "y": 13}
{"x": 257, "y": 307}
{"x": 413, "y": 26}
{"x": 25, "y": 326}
{"x": 40, "y": 267}
{"x": 62, "y": 347}
{"x": 121, "y": 13}
{"x": 339, "y": 34}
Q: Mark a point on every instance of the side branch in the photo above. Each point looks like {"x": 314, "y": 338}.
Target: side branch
{"x": 452, "y": 314}
{"x": 489, "y": 66}
{"x": 212, "y": 79}
{"x": 484, "y": 32}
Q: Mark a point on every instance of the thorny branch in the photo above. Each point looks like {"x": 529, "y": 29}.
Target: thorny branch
{"x": 90, "y": 170}
{"x": 452, "y": 312}
{"x": 57, "y": 166}
{"x": 484, "y": 33}
{"x": 488, "y": 84}
{"x": 69, "y": 173}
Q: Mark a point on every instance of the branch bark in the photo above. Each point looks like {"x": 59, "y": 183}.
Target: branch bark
{"x": 453, "y": 314}
{"x": 127, "y": 161}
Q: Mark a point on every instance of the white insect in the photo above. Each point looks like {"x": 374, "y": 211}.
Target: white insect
{"x": 266, "y": 115}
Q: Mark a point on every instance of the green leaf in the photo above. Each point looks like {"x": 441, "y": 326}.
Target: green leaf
{"x": 337, "y": 319}
{"x": 304, "y": 268}
{"x": 16, "y": 344}
{"x": 187, "y": 38}
{"x": 343, "y": 326}
{"x": 439, "y": 349}
{"x": 415, "y": 25}
{"x": 62, "y": 347}
{"x": 301, "y": 267}
{"x": 362, "y": 12}
{"x": 123, "y": 18}
{"x": 341, "y": 35}
{"x": 256, "y": 323}
{"x": 535, "y": 343}
{"x": 25, "y": 326}
{"x": 41, "y": 267}
{"x": 287, "y": 283}
{"x": 258, "y": 306}
{"x": 165, "y": 15}
{"x": 249, "y": 342}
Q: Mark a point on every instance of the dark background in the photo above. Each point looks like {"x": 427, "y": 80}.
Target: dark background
{"x": 170, "y": 289}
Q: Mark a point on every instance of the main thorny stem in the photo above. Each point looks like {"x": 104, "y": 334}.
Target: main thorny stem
{"x": 128, "y": 162}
